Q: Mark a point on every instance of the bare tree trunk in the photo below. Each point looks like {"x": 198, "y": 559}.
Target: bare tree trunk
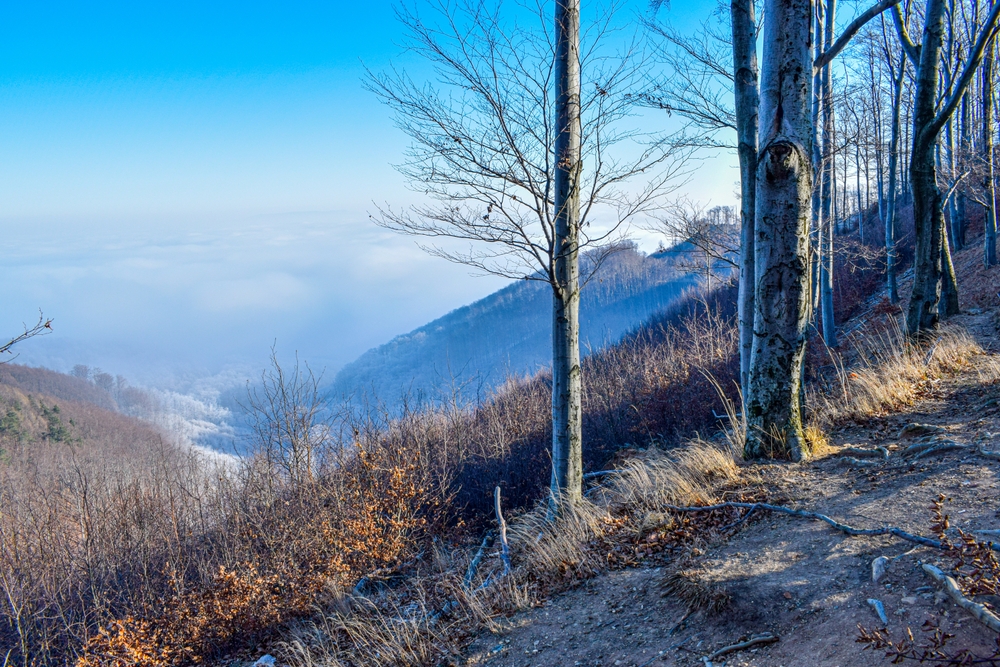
{"x": 819, "y": 165}
{"x": 826, "y": 277}
{"x": 928, "y": 122}
{"x": 949, "y": 281}
{"x": 928, "y": 217}
{"x": 567, "y": 438}
{"x": 784, "y": 188}
{"x": 951, "y": 218}
{"x": 744, "y": 23}
{"x": 857, "y": 181}
{"x": 965, "y": 150}
{"x": 989, "y": 178}
{"x": 890, "y": 217}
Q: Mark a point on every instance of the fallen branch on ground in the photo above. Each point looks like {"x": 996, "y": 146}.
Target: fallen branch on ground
{"x": 504, "y": 546}
{"x": 978, "y": 611}
{"x": 859, "y": 462}
{"x": 470, "y": 574}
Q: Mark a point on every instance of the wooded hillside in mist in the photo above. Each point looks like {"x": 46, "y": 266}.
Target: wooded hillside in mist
{"x": 509, "y": 333}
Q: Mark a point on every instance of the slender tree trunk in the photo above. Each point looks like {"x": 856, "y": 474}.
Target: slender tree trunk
{"x": 784, "y": 188}
{"x": 819, "y": 164}
{"x": 948, "y": 305}
{"x": 826, "y": 273}
{"x": 949, "y": 281}
{"x": 567, "y": 441}
{"x": 952, "y": 217}
{"x": 927, "y": 125}
{"x": 928, "y": 217}
{"x": 890, "y": 218}
{"x": 965, "y": 151}
{"x": 989, "y": 178}
{"x": 744, "y": 22}
{"x": 857, "y": 180}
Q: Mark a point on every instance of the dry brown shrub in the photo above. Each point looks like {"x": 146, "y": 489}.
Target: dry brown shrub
{"x": 309, "y": 538}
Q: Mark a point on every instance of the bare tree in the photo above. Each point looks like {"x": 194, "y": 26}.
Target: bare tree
{"x": 712, "y": 234}
{"x": 781, "y": 253}
{"x": 529, "y": 178}
{"x": 747, "y": 97}
{"x": 701, "y": 86}
{"x": 284, "y": 413}
{"x": 929, "y": 118}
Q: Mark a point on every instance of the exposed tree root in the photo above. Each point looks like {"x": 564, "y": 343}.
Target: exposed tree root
{"x": 844, "y": 528}
{"x": 742, "y": 646}
{"x": 877, "y": 452}
{"x": 988, "y": 454}
{"x": 939, "y": 449}
{"x": 978, "y": 611}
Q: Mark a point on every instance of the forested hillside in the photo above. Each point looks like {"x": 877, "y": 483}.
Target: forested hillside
{"x": 509, "y": 333}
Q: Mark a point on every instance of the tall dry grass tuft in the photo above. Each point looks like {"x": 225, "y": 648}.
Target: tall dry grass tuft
{"x": 889, "y": 371}
{"x": 684, "y": 476}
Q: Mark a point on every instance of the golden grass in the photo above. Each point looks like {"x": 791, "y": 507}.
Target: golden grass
{"x": 891, "y": 372}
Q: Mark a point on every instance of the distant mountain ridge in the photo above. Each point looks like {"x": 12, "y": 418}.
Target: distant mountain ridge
{"x": 508, "y": 333}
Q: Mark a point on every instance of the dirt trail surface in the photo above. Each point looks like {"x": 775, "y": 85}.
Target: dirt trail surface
{"x": 800, "y": 580}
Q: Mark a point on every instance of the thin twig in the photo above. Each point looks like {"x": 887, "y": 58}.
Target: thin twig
{"x": 930, "y": 352}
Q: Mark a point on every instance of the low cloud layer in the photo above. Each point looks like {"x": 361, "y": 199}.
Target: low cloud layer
{"x": 167, "y": 301}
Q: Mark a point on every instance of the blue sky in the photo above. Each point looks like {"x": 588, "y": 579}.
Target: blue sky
{"x": 181, "y": 184}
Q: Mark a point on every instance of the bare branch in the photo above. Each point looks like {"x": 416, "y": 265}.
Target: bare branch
{"x": 42, "y": 327}
{"x": 850, "y": 31}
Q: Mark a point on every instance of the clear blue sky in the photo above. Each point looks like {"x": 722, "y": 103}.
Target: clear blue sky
{"x": 183, "y": 183}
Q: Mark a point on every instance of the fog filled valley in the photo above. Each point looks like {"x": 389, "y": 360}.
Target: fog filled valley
{"x": 500, "y": 334}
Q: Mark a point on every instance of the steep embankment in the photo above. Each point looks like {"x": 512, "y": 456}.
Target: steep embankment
{"x": 476, "y": 347}
{"x": 685, "y": 586}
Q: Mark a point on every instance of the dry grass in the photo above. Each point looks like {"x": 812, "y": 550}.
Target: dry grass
{"x": 889, "y": 373}
{"x": 406, "y": 626}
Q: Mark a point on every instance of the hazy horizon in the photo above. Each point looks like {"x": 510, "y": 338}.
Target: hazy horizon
{"x": 185, "y": 185}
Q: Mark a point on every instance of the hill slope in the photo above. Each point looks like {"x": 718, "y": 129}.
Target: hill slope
{"x": 508, "y": 333}
{"x": 675, "y": 594}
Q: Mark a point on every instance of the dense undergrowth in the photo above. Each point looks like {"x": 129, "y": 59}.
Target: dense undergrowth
{"x": 159, "y": 556}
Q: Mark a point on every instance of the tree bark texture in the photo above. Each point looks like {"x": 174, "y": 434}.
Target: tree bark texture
{"x": 890, "y": 216}
{"x": 784, "y": 189}
{"x": 989, "y": 177}
{"x": 567, "y": 414}
{"x": 747, "y": 99}
{"x": 928, "y": 217}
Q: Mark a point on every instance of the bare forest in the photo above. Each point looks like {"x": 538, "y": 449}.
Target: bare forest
{"x": 643, "y": 413}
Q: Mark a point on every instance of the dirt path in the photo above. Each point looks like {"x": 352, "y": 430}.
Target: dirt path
{"x": 797, "y": 579}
